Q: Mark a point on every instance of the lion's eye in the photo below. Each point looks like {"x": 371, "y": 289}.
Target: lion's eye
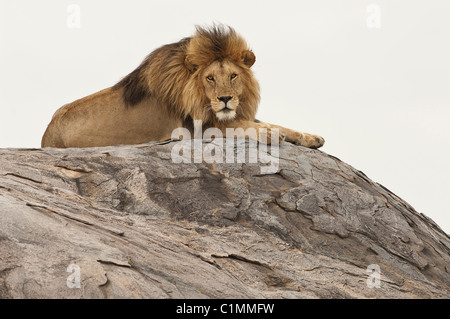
{"x": 210, "y": 78}
{"x": 233, "y": 76}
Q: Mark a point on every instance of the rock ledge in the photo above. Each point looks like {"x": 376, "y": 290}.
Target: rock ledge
{"x": 128, "y": 222}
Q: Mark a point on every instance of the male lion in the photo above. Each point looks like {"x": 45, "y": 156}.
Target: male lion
{"x": 205, "y": 77}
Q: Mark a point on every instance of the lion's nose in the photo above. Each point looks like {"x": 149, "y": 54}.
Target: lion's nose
{"x": 224, "y": 99}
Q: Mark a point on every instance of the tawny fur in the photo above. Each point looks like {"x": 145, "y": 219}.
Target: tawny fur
{"x": 205, "y": 77}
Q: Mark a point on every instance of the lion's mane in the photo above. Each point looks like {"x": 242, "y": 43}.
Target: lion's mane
{"x": 172, "y": 74}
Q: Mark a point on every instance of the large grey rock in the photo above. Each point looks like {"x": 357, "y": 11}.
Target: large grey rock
{"x": 130, "y": 223}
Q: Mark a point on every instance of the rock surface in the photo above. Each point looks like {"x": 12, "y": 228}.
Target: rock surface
{"x": 128, "y": 222}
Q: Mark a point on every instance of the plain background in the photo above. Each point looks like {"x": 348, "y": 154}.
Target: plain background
{"x": 371, "y": 77}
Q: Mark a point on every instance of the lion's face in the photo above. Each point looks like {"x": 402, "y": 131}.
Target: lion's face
{"x": 223, "y": 85}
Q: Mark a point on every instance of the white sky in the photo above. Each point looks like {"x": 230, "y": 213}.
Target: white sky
{"x": 379, "y": 96}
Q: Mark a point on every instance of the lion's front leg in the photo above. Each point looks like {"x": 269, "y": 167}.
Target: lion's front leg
{"x": 299, "y": 138}
{"x": 262, "y": 132}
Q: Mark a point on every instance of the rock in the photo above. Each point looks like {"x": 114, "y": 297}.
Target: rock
{"x": 128, "y": 222}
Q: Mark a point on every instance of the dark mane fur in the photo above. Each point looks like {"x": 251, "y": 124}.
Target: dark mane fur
{"x": 135, "y": 88}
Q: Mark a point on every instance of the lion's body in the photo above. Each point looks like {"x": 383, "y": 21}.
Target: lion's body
{"x": 206, "y": 77}
{"x": 102, "y": 119}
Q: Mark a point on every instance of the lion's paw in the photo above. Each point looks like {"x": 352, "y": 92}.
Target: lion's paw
{"x": 318, "y": 141}
{"x": 309, "y": 140}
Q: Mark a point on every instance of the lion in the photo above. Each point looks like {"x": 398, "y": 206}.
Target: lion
{"x": 205, "y": 77}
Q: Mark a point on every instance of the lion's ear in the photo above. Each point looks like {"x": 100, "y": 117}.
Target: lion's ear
{"x": 248, "y": 58}
{"x": 191, "y": 67}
